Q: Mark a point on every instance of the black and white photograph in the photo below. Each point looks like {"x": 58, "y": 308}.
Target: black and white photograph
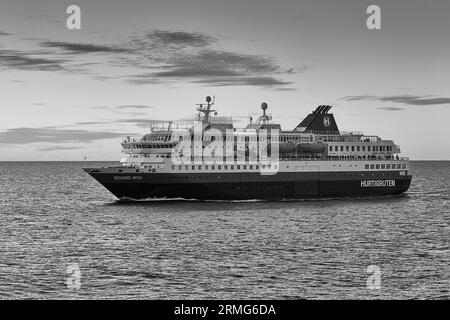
{"x": 241, "y": 151}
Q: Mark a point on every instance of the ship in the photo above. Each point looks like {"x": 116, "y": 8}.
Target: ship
{"x": 210, "y": 159}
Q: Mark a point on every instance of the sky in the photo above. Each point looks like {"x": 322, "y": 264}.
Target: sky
{"x": 69, "y": 94}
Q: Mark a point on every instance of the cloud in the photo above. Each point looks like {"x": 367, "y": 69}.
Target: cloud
{"x": 22, "y": 61}
{"x": 218, "y": 68}
{"x": 415, "y": 100}
{"x": 178, "y": 56}
{"x": 54, "y": 135}
{"x": 162, "y": 57}
{"x": 180, "y": 38}
{"x": 73, "y": 47}
{"x": 390, "y": 108}
{"x": 245, "y": 81}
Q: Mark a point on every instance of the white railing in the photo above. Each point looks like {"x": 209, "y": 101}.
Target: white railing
{"x": 352, "y": 133}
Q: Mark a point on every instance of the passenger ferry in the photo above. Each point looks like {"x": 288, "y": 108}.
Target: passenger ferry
{"x": 211, "y": 159}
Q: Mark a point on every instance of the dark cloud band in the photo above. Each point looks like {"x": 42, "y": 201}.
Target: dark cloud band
{"x": 403, "y": 99}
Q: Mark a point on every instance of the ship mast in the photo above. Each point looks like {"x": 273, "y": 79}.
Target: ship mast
{"x": 264, "y": 118}
{"x": 205, "y": 109}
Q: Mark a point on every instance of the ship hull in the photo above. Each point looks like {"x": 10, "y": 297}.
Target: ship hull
{"x": 247, "y": 186}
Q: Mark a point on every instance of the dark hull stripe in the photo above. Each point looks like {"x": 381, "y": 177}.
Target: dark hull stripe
{"x": 254, "y": 186}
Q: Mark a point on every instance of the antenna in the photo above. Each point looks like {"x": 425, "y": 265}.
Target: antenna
{"x": 264, "y": 118}
{"x": 206, "y": 111}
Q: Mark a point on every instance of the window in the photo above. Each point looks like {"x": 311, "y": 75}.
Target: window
{"x": 219, "y": 167}
{"x": 336, "y": 148}
{"x": 357, "y": 148}
{"x": 206, "y": 167}
{"x": 347, "y": 148}
{"x": 368, "y": 148}
{"x": 186, "y": 167}
{"x": 383, "y": 166}
{"x": 199, "y": 167}
{"x": 238, "y": 167}
{"x": 173, "y": 167}
{"x": 193, "y": 167}
{"x": 364, "y": 148}
{"x": 372, "y": 166}
{"x": 403, "y": 166}
{"x": 251, "y": 167}
{"x": 179, "y": 167}
{"x": 342, "y": 148}
{"x": 331, "y": 148}
{"x": 245, "y": 167}
{"x": 213, "y": 167}
{"x": 232, "y": 167}
{"x": 388, "y": 166}
{"x": 377, "y": 166}
{"x": 353, "y": 148}
{"x": 367, "y": 166}
{"x": 225, "y": 167}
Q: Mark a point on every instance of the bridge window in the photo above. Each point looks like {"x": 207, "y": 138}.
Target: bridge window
{"x": 403, "y": 166}
{"x": 372, "y": 166}
{"x": 378, "y": 166}
{"x": 388, "y": 166}
{"x": 367, "y": 167}
{"x": 383, "y": 166}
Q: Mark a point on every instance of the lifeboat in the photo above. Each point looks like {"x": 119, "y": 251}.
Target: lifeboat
{"x": 311, "y": 147}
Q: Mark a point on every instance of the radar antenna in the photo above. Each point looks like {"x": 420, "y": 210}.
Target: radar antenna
{"x": 205, "y": 109}
{"x": 264, "y": 118}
